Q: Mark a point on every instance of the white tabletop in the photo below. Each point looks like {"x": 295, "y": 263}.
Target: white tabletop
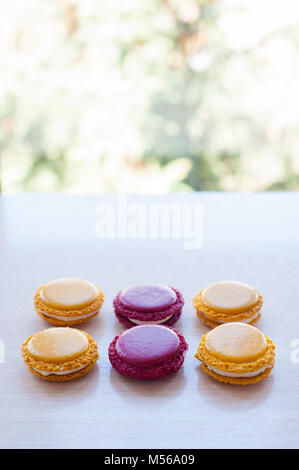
{"x": 247, "y": 237}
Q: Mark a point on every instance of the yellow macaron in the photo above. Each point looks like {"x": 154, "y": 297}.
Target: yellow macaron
{"x": 60, "y": 354}
{"x": 226, "y": 302}
{"x": 68, "y": 301}
{"x": 236, "y": 353}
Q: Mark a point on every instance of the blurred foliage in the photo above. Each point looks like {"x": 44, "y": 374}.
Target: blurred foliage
{"x": 149, "y": 96}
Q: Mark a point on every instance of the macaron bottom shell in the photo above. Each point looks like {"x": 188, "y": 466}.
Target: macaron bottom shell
{"x": 64, "y": 378}
{"x": 237, "y": 380}
{"x": 214, "y": 324}
{"x": 66, "y": 322}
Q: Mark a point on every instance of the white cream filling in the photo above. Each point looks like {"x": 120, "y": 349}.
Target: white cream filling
{"x": 68, "y": 318}
{"x": 246, "y": 320}
{"x": 62, "y": 372}
{"x": 232, "y": 374}
{"x": 157, "y": 322}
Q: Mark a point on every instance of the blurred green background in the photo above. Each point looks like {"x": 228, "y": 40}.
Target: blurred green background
{"x": 149, "y": 96}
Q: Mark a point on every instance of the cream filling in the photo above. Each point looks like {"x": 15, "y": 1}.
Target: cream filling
{"x": 246, "y": 320}
{"x": 45, "y": 373}
{"x": 232, "y": 374}
{"x": 68, "y": 318}
{"x": 157, "y": 322}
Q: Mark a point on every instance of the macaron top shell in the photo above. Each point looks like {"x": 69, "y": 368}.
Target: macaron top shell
{"x": 146, "y": 345}
{"x": 236, "y": 342}
{"x": 57, "y": 345}
{"x": 148, "y": 297}
{"x": 68, "y": 293}
{"x": 229, "y": 297}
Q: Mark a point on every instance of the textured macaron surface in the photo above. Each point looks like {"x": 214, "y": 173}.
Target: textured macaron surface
{"x": 147, "y": 345}
{"x": 147, "y": 370}
{"x": 148, "y": 297}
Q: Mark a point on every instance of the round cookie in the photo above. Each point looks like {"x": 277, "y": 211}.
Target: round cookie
{"x": 60, "y": 354}
{"x": 148, "y": 304}
{"x": 148, "y": 352}
{"x": 236, "y": 353}
{"x": 226, "y": 302}
{"x": 68, "y": 301}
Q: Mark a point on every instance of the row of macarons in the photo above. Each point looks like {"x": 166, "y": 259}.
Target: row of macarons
{"x": 69, "y": 302}
{"x": 233, "y": 352}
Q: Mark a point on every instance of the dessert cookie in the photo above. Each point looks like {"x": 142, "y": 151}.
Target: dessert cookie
{"x": 148, "y": 303}
{"x": 68, "y": 302}
{"x": 236, "y": 353}
{"x": 60, "y": 354}
{"x": 148, "y": 352}
{"x": 226, "y": 302}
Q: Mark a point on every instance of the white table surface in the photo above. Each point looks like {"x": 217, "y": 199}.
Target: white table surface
{"x": 247, "y": 237}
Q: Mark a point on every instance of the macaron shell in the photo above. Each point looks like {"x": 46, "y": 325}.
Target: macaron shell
{"x": 237, "y": 380}
{"x": 66, "y": 322}
{"x": 229, "y": 297}
{"x": 148, "y": 297}
{"x": 64, "y": 378}
{"x": 68, "y": 293}
{"x": 236, "y": 342}
{"x": 147, "y": 345}
{"x": 57, "y": 345}
{"x": 213, "y": 324}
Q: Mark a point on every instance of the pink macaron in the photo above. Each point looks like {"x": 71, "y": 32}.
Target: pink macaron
{"x": 148, "y": 303}
{"x": 148, "y": 352}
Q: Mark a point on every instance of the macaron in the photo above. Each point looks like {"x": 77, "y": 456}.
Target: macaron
{"x": 68, "y": 302}
{"x": 226, "y": 302}
{"x": 142, "y": 304}
{"x": 236, "y": 353}
{"x": 60, "y": 354}
{"x": 148, "y": 352}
